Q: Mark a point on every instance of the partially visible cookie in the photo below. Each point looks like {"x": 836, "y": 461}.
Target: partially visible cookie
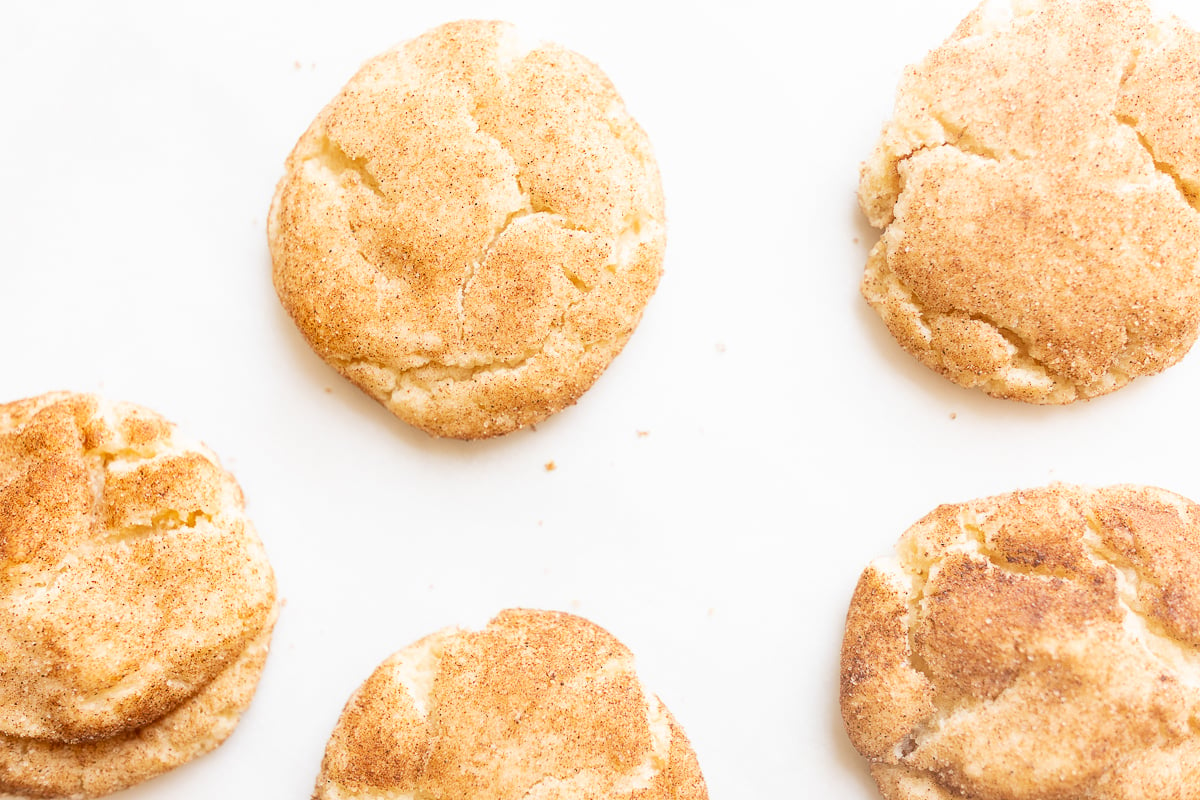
{"x": 469, "y": 231}
{"x": 1038, "y": 189}
{"x": 1038, "y": 644}
{"x": 537, "y": 705}
{"x": 136, "y": 602}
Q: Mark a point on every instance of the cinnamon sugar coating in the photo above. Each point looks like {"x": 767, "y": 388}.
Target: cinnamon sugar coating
{"x": 469, "y": 231}
{"x": 136, "y": 601}
{"x": 536, "y": 705}
{"x": 1040, "y": 644}
{"x": 1038, "y": 190}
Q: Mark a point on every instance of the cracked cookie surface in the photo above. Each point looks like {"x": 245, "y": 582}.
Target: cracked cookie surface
{"x": 470, "y": 230}
{"x": 136, "y": 602}
{"x": 1038, "y": 188}
{"x": 1040, "y": 644}
{"x": 536, "y": 705}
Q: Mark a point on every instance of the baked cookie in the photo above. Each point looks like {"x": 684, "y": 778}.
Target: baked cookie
{"x": 469, "y": 231}
{"x": 536, "y": 705}
{"x": 1038, "y": 644}
{"x": 1038, "y": 189}
{"x": 136, "y": 602}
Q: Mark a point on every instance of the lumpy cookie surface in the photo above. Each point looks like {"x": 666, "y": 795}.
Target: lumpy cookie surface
{"x": 536, "y": 705}
{"x": 136, "y": 602}
{"x": 469, "y": 231}
{"x": 1041, "y": 644}
{"x": 1038, "y": 189}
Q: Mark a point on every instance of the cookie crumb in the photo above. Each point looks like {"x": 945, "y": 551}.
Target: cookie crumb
{"x": 953, "y": 415}
{"x": 643, "y": 434}
{"x": 551, "y": 466}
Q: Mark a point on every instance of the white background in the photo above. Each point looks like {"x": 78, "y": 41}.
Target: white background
{"x": 788, "y": 440}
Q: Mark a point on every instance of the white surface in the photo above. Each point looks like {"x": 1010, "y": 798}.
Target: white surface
{"x": 789, "y": 440}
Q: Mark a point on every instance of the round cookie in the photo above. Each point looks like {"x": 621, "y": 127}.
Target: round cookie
{"x": 536, "y": 705}
{"x": 1039, "y": 644}
{"x": 1038, "y": 189}
{"x": 469, "y": 231}
{"x": 136, "y": 602}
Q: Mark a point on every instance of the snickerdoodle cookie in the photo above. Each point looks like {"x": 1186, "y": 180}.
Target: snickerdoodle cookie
{"x": 469, "y": 231}
{"x": 136, "y": 602}
{"x": 1038, "y": 189}
{"x": 536, "y": 705}
{"x": 1039, "y": 644}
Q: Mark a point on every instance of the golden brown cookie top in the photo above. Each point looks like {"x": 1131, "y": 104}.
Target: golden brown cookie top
{"x": 1038, "y": 187}
{"x": 130, "y": 576}
{"x": 470, "y": 229}
{"x": 1044, "y": 643}
{"x": 536, "y": 705}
